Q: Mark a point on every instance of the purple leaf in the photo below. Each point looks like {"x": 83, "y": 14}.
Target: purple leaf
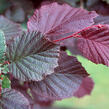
{"x": 63, "y": 83}
{"x": 71, "y": 45}
{"x": 9, "y": 28}
{"x": 102, "y": 20}
{"x": 55, "y": 20}
{"x": 85, "y": 88}
{"x": 32, "y": 57}
{"x": 94, "y": 44}
{"x": 100, "y": 7}
{"x": 12, "y": 99}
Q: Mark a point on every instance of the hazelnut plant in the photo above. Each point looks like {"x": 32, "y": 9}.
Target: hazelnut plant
{"x": 35, "y": 67}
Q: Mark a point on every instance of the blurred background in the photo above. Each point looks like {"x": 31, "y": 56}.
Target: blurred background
{"x": 99, "y": 98}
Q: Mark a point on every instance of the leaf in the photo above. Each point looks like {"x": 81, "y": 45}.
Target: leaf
{"x": 54, "y": 19}
{"x": 85, "y": 88}
{"x": 4, "y": 4}
{"x": 9, "y": 28}
{"x": 63, "y": 83}
{"x": 16, "y": 14}
{"x": 94, "y": 44}
{"x": 70, "y": 2}
{"x": 25, "y": 90}
{"x": 102, "y": 20}
{"x": 100, "y": 7}
{"x": 6, "y": 82}
{"x": 2, "y": 44}
{"x": 32, "y": 57}
{"x": 12, "y": 99}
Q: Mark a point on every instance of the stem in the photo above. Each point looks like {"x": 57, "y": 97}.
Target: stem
{"x": 78, "y": 34}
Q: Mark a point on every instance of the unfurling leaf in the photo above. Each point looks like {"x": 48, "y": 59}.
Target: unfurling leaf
{"x": 32, "y": 57}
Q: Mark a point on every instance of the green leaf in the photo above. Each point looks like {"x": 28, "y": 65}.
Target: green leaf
{"x": 6, "y": 82}
{"x": 2, "y": 44}
{"x": 5, "y": 69}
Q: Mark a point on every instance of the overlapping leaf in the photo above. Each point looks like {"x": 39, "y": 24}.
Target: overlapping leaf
{"x": 32, "y": 57}
{"x": 63, "y": 83}
{"x": 94, "y": 44}
{"x": 85, "y": 88}
{"x": 2, "y": 44}
{"x": 55, "y": 20}
{"x": 102, "y": 20}
{"x": 100, "y": 7}
{"x": 9, "y": 28}
{"x": 35, "y": 100}
{"x": 16, "y": 14}
{"x": 12, "y": 99}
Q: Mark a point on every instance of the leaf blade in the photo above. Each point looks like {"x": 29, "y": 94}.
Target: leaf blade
{"x": 63, "y": 83}
{"x": 94, "y": 43}
{"x": 12, "y": 99}
{"x": 2, "y": 44}
{"x": 32, "y": 57}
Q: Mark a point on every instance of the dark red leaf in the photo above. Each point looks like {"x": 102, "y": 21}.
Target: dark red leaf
{"x": 63, "y": 83}
{"x": 101, "y": 20}
{"x": 16, "y": 14}
{"x": 55, "y": 20}
{"x": 12, "y": 99}
{"x": 85, "y": 88}
{"x": 9, "y": 28}
{"x": 94, "y": 44}
{"x": 100, "y": 7}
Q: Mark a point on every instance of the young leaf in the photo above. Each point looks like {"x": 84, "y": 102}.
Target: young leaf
{"x": 12, "y": 99}
{"x": 2, "y": 44}
{"x": 63, "y": 83}
{"x": 55, "y": 20}
{"x": 32, "y": 57}
{"x": 94, "y": 44}
{"x": 9, "y": 28}
{"x": 85, "y": 88}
